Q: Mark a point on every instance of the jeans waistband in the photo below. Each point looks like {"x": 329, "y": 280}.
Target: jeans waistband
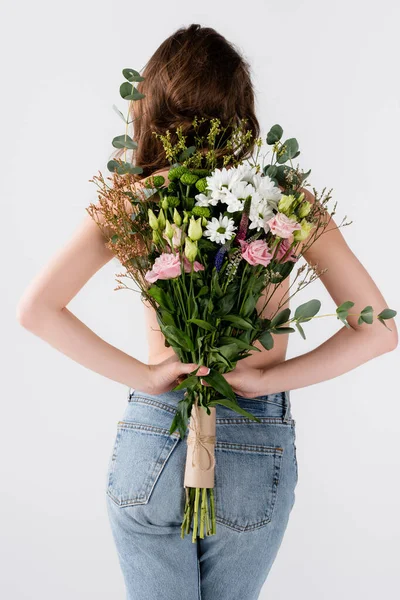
{"x": 286, "y": 404}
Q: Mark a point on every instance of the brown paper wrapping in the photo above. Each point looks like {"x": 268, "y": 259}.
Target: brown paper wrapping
{"x": 200, "y": 456}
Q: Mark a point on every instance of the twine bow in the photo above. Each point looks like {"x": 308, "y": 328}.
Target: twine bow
{"x": 198, "y": 439}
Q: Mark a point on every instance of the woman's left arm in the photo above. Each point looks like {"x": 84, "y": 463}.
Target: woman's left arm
{"x": 345, "y": 278}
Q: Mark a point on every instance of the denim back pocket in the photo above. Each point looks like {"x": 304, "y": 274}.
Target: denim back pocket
{"x": 246, "y": 484}
{"x": 139, "y": 455}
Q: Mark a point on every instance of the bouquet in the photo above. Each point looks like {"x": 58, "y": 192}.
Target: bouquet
{"x": 204, "y": 248}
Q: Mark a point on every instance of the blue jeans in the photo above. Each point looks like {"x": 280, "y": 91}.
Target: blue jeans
{"x": 255, "y": 479}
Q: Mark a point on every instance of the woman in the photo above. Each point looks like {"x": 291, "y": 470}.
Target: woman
{"x": 197, "y": 72}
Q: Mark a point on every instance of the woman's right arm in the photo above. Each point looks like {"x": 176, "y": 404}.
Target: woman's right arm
{"x": 43, "y": 310}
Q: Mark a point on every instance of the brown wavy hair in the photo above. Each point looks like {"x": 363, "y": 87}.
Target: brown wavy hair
{"x": 194, "y": 72}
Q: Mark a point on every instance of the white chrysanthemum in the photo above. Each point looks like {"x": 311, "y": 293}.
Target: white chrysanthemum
{"x": 205, "y": 200}
{"x": 220, "y": 230}
{"x": 260, "y": 212}
{"x": 267, "y": 188}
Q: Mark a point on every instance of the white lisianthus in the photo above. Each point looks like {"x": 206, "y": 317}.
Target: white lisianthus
{"x": 220, "y": 230}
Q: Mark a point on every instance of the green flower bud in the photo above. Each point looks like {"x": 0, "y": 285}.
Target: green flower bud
{"x": 173, "y": 201}
{"x": 154, "y": 181}
{"x": 164, "y": 203}
{"x": 161, "y": 219}
{"x": 177, "y": 218}
{"x": 177, "y": 172}
{"x": 153, "y": 221}
{"x": 201, "y": 211}
{"x": 169, "y": 232}
{"x": 190, "y": 249}
{"x": 188, "y": 178}
{"x": 172, "y": 187}
{"x": 201, "y": 172}
{"x": 286, "y": 203}
{"x": 301, "y": 234}
{"x": 195, "y": 231}
{"x": 201, "y": 185}
{"x": 304, "y": 209}
{"x": 186, "y": 216}
{"x": 204, "y": 221}
{"x": 157, "y": 239}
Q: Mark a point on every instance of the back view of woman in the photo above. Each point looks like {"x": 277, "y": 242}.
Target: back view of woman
{"x": 196, "y": 71}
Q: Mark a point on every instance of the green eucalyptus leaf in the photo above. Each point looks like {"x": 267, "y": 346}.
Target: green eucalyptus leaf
{"x": 266, "y": 340}
{"x": 301, "y": 330}
{"x": 125, "y": 167}
{"x": 274, "y": 134}
{"x": 283, "y": 330}
{"x": 387, "y": 313}
{"x": 132, "y": 75}
{"x": 124, "y": 141}
{"x": 306, "y": 311}
{"x": 366, "y": 315}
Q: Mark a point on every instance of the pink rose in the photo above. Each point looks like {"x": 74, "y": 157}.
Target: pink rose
{"x": 283, "y": 248}
{"x": 256, "y": 253}
{"x": 281, "y": 225}
{"x": 187, "y": 265}
{"x": 166, "y": 266}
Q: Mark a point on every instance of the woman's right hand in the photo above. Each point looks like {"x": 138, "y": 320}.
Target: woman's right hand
{"x": 164, "y": 376}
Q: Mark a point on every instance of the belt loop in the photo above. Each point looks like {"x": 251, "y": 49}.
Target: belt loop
{"x": 288, "y": 413}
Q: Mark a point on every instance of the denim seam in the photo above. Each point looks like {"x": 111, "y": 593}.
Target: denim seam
{"x": 249, "y": 447}
{"x": 157, "y": 403}
{"x": 276, "y": 420}
{"x": 151, "y": 428}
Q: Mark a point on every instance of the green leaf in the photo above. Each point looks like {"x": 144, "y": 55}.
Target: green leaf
{"x": 202, "y": 324}
{"x": 123, "y": 168}
{"x": 307, "y": 311}
{"x": 203, "y": 290}
{"x": 266, "y": 340}
{"x": 119, "y": 113}
{"x": 387, "y": 313}
{"x": 114, "y": 238}
{"x": 225, "y": 304}
{"x": 301, "y": 330}
{"x": 124, "y": 141}
{"x": 129, "y": 92}
{"x": 132, "y": 75}
{"x": 345, "y": 306}
{"x": 274, "y": 134}
{"x": 161, "y": 297}
{"x": 283, "y": 330}
{"x": 219, "y": 383}
{"x": 248, "y": 306}
{"x": 283, "y": 270}
{"x": 281, "y": 317}
{"x": 189, "y": 382}
{"x": 291, "y": 148}
{"x": 235, "y": 407}
{"x": 226, "y": 339}
{"x": 383, "y": 323}
{"x": 238, "y": 321}
{"x": 366, "y": 315}
{"x": 174, "y": 334}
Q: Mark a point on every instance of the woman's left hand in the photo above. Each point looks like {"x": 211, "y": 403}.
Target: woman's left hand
{"x": 246, "y": 381}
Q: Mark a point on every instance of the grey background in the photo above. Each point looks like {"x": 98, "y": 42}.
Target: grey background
{"x": 327, "y": 73}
